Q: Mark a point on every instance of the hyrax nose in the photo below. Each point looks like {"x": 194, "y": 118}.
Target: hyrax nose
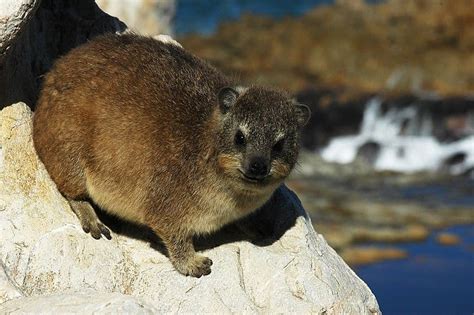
{"x": 258, "y": 168}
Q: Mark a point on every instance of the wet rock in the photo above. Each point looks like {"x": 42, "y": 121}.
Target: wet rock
{"x": 409, "y": 233}
{"x": 368, "y": 255}
{"x": 334, "y": 112}
{"x": 455, "y": 158}
{"x": 338, "y": 111}
{"x": 368, "y": 152}
{"x": 340, "y": 235}
{"x": 469, "y": 173}
{"x": 44, "y": 252}
{"x": 447, "y": 239}
{"x": 313, "y": 165}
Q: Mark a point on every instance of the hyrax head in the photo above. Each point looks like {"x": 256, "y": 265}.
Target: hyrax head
{"x": 258, "y": 140}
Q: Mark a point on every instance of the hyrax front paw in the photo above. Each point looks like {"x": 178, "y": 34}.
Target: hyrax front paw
{"x": 96, "y": 228}
{"x": 196, "y": 266}
{"x": 89, "y": 220}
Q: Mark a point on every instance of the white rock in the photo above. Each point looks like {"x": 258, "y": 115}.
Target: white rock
{"x": 14, "y": 14}
{"x": 88, "y": 302}
{"x": 148, "y": 17}
{"x": 45, "y": 253}
{"x": 7, "y": 289}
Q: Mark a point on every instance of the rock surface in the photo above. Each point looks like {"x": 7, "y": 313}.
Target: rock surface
{"x": 87, "y": 302}
{"x": 50, "y": 263}
{"x": 13, "y": 16}
{"x": 33, "y": 33}
{"x": 150, "y": 17}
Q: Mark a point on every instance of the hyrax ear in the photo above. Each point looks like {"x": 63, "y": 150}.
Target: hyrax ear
{"x": 227, "y": 98}
{"x": 303, "y": 113}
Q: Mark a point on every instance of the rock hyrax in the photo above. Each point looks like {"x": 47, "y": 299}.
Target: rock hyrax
{"x": 154, "y": 135}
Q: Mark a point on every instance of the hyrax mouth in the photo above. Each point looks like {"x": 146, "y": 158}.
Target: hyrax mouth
{"x": 254, "y": 180}
{"x": 231, "y": 166}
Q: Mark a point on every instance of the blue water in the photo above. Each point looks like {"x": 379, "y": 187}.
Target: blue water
{"x": 434, "y": 279}
{"x": 203, "y": 16}
{"x": 456, "y": 193}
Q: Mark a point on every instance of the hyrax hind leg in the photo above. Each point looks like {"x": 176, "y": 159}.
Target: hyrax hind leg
{"x": 72, "y": 186}
{"x": 89, "y": 220}
{"x": 183, "y": 256}
{"x": 71, "y": 182}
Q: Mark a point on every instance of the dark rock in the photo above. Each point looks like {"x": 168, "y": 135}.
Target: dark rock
{"x": 469, "y": 173}
{"x": 454, "y": 159}
{"x": 53, "y": 29}
{"x": 368, "y": 152}
{"x": 337, "y": 111}
{"x": 332, "y": 114}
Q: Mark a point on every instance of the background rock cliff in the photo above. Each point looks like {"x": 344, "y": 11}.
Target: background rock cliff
{"x": 403, "y": 45}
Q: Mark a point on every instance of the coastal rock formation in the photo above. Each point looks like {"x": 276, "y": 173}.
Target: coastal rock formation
{"x": 356, "y": 207}
{"x": 48, "y": 262}
{"x": 33, "y": 33}
{"x": 369, "y": 47}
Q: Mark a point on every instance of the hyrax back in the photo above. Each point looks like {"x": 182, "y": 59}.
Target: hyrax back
{"x": 156, "y": 136}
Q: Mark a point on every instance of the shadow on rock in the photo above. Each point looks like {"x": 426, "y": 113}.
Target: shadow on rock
{"x": 262, "y": 228}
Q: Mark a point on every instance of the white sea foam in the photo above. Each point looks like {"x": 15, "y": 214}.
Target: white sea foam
{"x": 406, "y": 142}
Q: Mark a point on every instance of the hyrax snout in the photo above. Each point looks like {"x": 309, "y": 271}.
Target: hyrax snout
{"x": 156, "y": 136}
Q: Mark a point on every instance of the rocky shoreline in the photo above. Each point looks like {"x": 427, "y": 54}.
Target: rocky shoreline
{"x": 338, "y": 111}
{"x": 353, "y": 205}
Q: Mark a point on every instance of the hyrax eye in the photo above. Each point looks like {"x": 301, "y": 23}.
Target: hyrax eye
{"x": 278, "y": 147}
{"x": 239, "y": 138}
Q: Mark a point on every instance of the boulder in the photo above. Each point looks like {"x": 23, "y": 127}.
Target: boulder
{"x": 87, "y": 302}
{"x": 34, "y": 33}
{"x": 150, "y": 17}
{"x": 49, "y": 264}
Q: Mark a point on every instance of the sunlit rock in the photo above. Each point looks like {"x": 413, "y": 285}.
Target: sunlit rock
{"x": 45, "y": 255}
{"x": 148, "y": 17}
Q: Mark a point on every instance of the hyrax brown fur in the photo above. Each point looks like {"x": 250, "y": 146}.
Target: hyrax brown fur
{"x": 155, "y": 135}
